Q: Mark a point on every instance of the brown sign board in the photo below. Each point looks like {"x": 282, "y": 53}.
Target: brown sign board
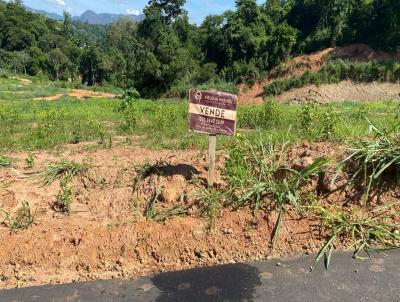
{"x": 212, "y": 112}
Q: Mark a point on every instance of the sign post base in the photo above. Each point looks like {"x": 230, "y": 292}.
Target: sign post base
{"x": 212, "y": 146}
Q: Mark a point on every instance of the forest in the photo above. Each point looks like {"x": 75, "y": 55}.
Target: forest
{"x": 165, "y": 55}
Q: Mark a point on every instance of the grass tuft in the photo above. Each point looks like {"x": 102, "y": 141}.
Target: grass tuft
{"x": 357, "y": 228}
{"x": 5, "y": 162}
{"x": 60, "y": 169}
{"x": 376, "y": 157}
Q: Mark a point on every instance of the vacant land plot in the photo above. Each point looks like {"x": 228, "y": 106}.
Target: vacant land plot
{"x": 106, "y": 188}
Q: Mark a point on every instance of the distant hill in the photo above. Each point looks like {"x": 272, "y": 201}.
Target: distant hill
{"x": 91, "y": 17}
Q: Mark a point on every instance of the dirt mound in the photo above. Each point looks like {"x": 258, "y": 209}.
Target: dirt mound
{"x": 79, "y": 94}
{"x": 313, "y": 62}
{"x": 343, "y": 91}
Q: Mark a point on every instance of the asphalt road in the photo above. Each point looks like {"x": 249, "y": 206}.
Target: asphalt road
{"x": 348, "y": 280}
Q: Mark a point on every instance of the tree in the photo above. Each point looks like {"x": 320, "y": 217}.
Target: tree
{"x": 91, "y": 66}
{"x": 169, "y": 9}
{"x": 24, "y": 59}
{"x": 58, "y": 61}
{"x": 122, "y": 37}
{"x": 67, "y": 25}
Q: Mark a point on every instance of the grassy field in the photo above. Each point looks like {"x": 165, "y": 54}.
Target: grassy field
{"x": 28, "y": 124}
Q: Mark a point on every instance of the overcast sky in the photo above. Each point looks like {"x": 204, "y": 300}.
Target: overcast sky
{"x": 198, "y": 9}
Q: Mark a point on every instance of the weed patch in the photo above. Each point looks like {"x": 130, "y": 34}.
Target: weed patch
{"x": 5, "y": 162}
{"x": 260, "y": 178}
{"x": 376, "y": 159}
{"x": 357, "y": 228}
{"x": 21, "y": 220}
{"x": 60, "y": 169}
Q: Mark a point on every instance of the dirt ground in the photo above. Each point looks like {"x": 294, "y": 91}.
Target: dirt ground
{"x": 343, "y": 91}
{"x": 105, "y": 236}
{"x": 313, "y": 62}
{"x": 79, "y": 94}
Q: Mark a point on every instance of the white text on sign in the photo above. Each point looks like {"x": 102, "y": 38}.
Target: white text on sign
{"x": 212, "y": 112}
{"x": 215, "y": 112}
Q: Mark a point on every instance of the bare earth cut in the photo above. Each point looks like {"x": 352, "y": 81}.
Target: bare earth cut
{"x": 106, "y": 234}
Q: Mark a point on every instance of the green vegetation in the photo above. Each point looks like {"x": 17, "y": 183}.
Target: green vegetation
{"x": 212, "y": 201}
{"x": 151, "y": 213}
{"x": 61, "y": 169}
{"x": 5, "y": 162}
{"x": 336, "y": 71}
{"x": 22, "y": 219}
{"x": 377, "y": 158}
{"x": 31, "y": 125}
{"x": 259, "y": 176}
{"x": 165, "y": 55}
{"x": 64, "y": 197}
{"x": 360, "y": 229}
{"x": 30, "y": 160}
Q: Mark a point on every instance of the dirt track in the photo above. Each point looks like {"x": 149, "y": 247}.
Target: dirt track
{"x": 79, "y": 94}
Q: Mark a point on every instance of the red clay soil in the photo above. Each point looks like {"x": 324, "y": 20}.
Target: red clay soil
{"x": 313, "y": 62}
{"x": 106, "y": 235}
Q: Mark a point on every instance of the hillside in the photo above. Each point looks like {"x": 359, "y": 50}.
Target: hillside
{"x": 164, "y": 55}
{"x": 324, "y": 93}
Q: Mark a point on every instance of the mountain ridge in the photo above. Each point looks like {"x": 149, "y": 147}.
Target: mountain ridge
{"x": 91, "y": 17}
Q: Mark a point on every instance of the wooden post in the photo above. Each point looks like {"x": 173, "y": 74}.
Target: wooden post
{"x": 212, "y": 145}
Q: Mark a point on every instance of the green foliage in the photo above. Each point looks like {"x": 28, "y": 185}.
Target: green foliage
{"x": 153, "y": 214}
{"x": 30, "y": 160}
{"x": 5, "y": 162}
{"x": 269, "y": 116}
{"x": 357, "y": 228}
{"x": 22, "y": 219}
{"x": 165, "y": 55}
{"x": 376, "y": 159}
{"x": 319, "y": 122}
{"x": 260, "y": 178}
{"x": 64, "y": 197}
{"x": 61, "y": 169}
{"x": 212, "y": 201}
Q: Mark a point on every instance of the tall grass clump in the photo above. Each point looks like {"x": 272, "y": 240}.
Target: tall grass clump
{"x": 260, "y": 177}
{"x": 60, "y": 169}
{"x": 22, "y": 219}
{"x": 377, "y": 158}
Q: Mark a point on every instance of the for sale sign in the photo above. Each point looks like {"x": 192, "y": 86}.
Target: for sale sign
{"x": 212, "y": 112}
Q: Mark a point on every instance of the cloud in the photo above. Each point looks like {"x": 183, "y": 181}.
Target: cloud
{"x": 60, "y": 2}
{"x": 132, "y": 11}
